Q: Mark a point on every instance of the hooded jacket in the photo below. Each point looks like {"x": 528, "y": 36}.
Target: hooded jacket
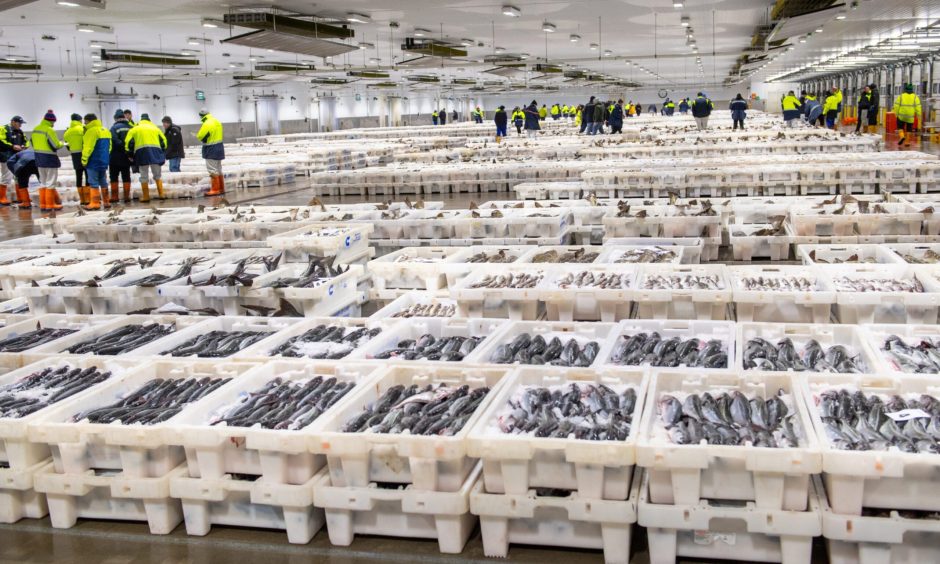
{"x": 211, "y": 136}
{"x": 74, "y": 135}
{"x": 147, "y": 143}
{"x": 45, "y": 142}
{"x": 96, "y": 146}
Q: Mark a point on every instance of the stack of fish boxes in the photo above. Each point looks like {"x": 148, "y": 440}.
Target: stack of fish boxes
{"x": 435, "y": 473}
{"x": 728, "y": 498}
{"x": 551, "y": 490}
{"x": 121, "y": 470}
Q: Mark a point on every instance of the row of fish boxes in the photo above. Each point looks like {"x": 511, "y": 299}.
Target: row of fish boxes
{"x": 849, "y": 293}
{"x": 185, "y": 468}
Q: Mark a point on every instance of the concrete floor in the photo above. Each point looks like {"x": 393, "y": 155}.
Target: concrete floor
{"x": 103, "y": 542}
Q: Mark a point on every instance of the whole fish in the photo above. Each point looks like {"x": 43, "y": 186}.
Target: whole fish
{"x": 48, "y": 386}
{"x": 123, "y": 339}
{"x": 154, "y": 402}
{"x": 778, "y": 283}
{"x": 589, "y": 279}
{"x": 651, "y": 349}
{"x": 288, "y": 405}
{"x": 760, "y": 354}
{"x": 858, "y": 420}
{"x": 647, "y": 255}
{"x": 525, "y": 349}
{"x": 432, "y": 309}
{"x": 846, "y": 284}
{"x": 431, "y": 410}
{"x": 217, "y": 344}
{"x": 520, "y": 280}
{"x": 428, "y": 347}
{"x": 580, "y": 255}
{"x": 500, "y": 256}
{"x": 325, "y": 342}
{"x": 682, "y": 282}
{"x": 920, "y": 358}
{"x": 319, "y": 270}
{"x": 32, "y": 339}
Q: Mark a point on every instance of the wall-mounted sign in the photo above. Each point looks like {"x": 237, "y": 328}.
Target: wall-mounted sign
{"x": 200, "y": 95}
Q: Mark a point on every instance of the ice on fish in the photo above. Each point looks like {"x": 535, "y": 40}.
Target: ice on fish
{"x": 48, "y": 386}
{"x": 428, "y": 347}
{"x": 325, "y": 342}
{"x": 429, "y": 410}
{"x": 123, "y": 339}
{"x": 217, "y": 344}
{"x": 856, "y": 420}
{"x": 761, "y": 354}
{"x": 154, "y": 402}
{"x": 284, "y": 405}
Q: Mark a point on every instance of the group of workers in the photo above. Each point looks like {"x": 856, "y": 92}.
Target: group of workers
{"x": 101, "y": 157}
{"x": 439, "y": 117}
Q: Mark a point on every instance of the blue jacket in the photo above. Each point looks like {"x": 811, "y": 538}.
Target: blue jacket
{"x": 119, "y": 131}
{"x": 738, "y": 109}
{"x": 96, "y": 146}
{"x": 616, "y": 116}
{"x": 21, "y": 160}
{"x": 813, "y": 110}
{"x": 532, "y": 118}
{"x": 702, "y": 107}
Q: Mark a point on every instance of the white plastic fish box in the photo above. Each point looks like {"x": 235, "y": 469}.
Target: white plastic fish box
{"x": 222, "y": 298}
{"x": 633, "y": 226}
{"x": 611, "y": 255}
{"x": 682, "y": 303}
{"x": 582, "y": 333}
{"x": 327, "y": 240}
{"x": 249, "y": 503}
{"x": 716, "y": 530}
{"x": 894, "y": 537}
{"x": 589, "y": 303}
{"x": 800, "y": 240}
{"x": 138, "y": 451}
{"x": 263, "y": 349}
{"x": 229, "y": 228}
{"x": 774, "y": 478}
{"x": 838, "y": 254}
{"x": 409, "y": 512}
{"x": 594, "y": 470}
{"x": 416, "y": 268}
{"x": 396, "y": 307}
{"x": 398, "y": 330}
{"x": 855, "y": 179}
{"x": 518, "y": 304}
{"x": 109, "y": 496}
{"x": 786, "y": 306}
{"x": 746, "y": 244}
{"x": 884, "y": 307}
{"x": 705, "y": 331}
{"x": 532, "y": 252}
{"x": 122, "y": 294}
{"x": 516, "y": 223}
{"x": 692, "y": 247}
{"x": 572, "y": 521}
{"x": 278, "y": 456}
{"x": 902, "y": 178}
{"x": 562, "y": 190}
{"x": 13, "y": 360}
{"x": 887, "y": 479}
{"x": 18, "y": 498}
{"x": 426, "y": 462}
{"x": 229, "y": 324}
{"x": 852, "y": 337}
{"x": 434, "y": 224}
{"x": 16, "y": 306}
{"x": 876, "y": 335}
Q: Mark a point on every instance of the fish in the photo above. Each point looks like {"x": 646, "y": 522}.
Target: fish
{"x": 647, "y": 255}
{"x": 32, "y": 339}
{"x": 22, "y": 259}
{"x": 731, "y": 419}
{"x": 154, "y": 402}
{"x": 153, "y": 280}
{"x": 432, "y": 309}
{"x": 501, "y": 256}
{"x": 862, "y": 421}
{"x": 319, "y": 270}
{"x": 582, "y": 410}
{"x": 284, "y": 405}
{"x": 846, "y": 284}
{"x": 217, "y": 344}
{"x": 46, "y": 387}
{"x": 578, "y": 256}
{"x": 331, "y": 342}
{"x": 593, "y": 279}
{"x": 923, "y": 357}
{"x": 651, "y": 349}
{"x": 778, "y": 283}
{"x": 525, "y": 349}
{"x": 929, "y": 257}
{"x": 518, "y": 280}
{"x": 427, "y": 347}
{"x": 682, "y": 282}
{"x": 760, "y": 354}
{"x": 430, "y": 410}
{"x": 123, "y": 339}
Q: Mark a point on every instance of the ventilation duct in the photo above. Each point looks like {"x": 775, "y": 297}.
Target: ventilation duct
{"x": 11, "y": 4}
{"x": 368, "y": 74}
{"x": 284, "y": 67}
{"x": 147, "y": 58}
{"x": 433, "y": 48}
{"x": 289, "y": 34}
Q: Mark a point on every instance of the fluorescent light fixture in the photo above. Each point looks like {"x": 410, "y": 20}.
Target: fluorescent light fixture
{"x": 366, "y": 46}
{"x": 802, "y": 40}
{"x": 421, "y": 32}
{"x": 511, "y": 11}
{"x": 574, "y": 38}
{"x": 467, "y": 42}
{"x": 96, "y": 64}
{"x": 95, "y": 56}
{"x": 593, "y": 46}
{"x": 499, "y": 50}
{"x": 685, "y": 21}
{"x": 356, "y": 17}
{"x": 93, "y": 28}
{"x": 819, "y": 30}
{"x": 211, "y": 24}
{"x": 677, "y": 4}
{"x": 548, "y": 27}
{"x": 608, "y": 52}
{"x": 841, "y": 16}
{"x": 100, "y": 4}
{"x": 375, "y": 61}
{"x": 199, "y": 41}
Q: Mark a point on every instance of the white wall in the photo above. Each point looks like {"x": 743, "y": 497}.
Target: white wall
{"x": 772, "y": 93}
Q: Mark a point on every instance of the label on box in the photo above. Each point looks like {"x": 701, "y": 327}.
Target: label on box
{"x": 908, "y": 414}
{"x": 710, "y": 538}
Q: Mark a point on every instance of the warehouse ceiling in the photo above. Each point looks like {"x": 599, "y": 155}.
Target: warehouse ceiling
{"x": 643, "y": 42}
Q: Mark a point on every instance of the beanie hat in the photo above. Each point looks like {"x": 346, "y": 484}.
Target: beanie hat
{"x": 145, "y": 116}
{"x": 118, "y": 113}
{"x": 49, "y": 116}
{"x": 76, "y": 117}
{"x": 908, "y": 87}
{"x": 203, "y": 112}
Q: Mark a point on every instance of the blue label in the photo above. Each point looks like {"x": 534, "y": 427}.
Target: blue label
{"x": 330, "y": 290}
{"x": 347, "y": 241}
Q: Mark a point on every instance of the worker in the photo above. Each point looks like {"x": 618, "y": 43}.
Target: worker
{"x": 543, "y": 113}
{"x": 501, "y": 120}
{"x": 12, "y": 141}
{"x": 148, "y": 145}
{"x": 120, "y": 164}
{"x": 587, "y": 117}
{"x": 532, "y": 120}
{"x": 129, "y": 116}
{"x": 454, "y": 116}
{"x": 556, "y": 112}
{"x": 616, "y": 118}
{"x": 565, "y": 111}
{"x": 518, "y": 119}
{"x": 908, "y": 108}
{"x": 791, "y": 109}
{"x": 22, "y": 165}
{"x": 670, "y": 108}
{"x": 738, "y": 109}
{"x": 174, "y": 144}
{"x": 684, "y": 106}
{"x": 73, "y": 138}
{"x": 701, "y": 109}
{"x": 862, "y": 106}
{"x": 442, "y": 116}
{"x": 639, "y": 109}
{"x": 434, "y": 117}
{"x": 96, "y": 158}
{"x": 478, "y": 115}
{"x": 45, "y": 142}
{"x": 874, "y": 108}
{"x": 632, "y": 109}
{"x": 652, "y": 109}
{"x": 812, "y": 109}
{"x": 577, "y": 115}
{"x": 600, "y": 116}
{"x": 213, "y": 151}
{"x": 831, "y": 108}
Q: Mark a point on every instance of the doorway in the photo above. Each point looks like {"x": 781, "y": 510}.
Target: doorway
{"x": 266, "y": 118}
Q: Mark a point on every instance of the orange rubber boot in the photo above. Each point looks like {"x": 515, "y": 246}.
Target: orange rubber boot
{"x": 94, "y": 199}
{"x": 127, "y": 193}
{"x": 23, "y": 195}
{"x": 115, "y": 194}
{"x": 3, "y": 195}
{"x": 105, "y": 201}
{"x": 43, "y": 200}
{"x": 53, "y": 200}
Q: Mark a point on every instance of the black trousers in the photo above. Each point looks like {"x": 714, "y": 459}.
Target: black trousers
{"x": 22, "y": 175}
{"x": 115, "y": 171}
{"x": 80, "y": 177}
{"x": 738, "y": 122}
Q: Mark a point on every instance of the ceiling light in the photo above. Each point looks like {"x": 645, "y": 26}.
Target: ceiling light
{"x": 96, "y": 64}
{"x": 511, "y": 11}
{"x": 199, "y": 41}
{"x": 593, "y": 46}
{"x": 499, "y": 50}
{"x": 366, "y": 46}
{"x": 548, "y": 27}
{"x": 467, "y": 42}
{"x": 93, "y": 56}
{"x": 375, "y": 61}
{"x": 524, "y": 56}
{"x": 421, "y": 32}
{"x": 355, "y": 17}
{"x": 93, "y": 28}
{"x": 677, "y": 4}
{"x": 608, "y": 52}
{"x": 211, "y": 24}
{"x": 574, "y": 38}
{"x": 685, "y": 21}
{"x": 802, "y": 40}
{"x": 841, "y": 16}
{"x": 100, "y": 4}
{"x": 819, "y": 30}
